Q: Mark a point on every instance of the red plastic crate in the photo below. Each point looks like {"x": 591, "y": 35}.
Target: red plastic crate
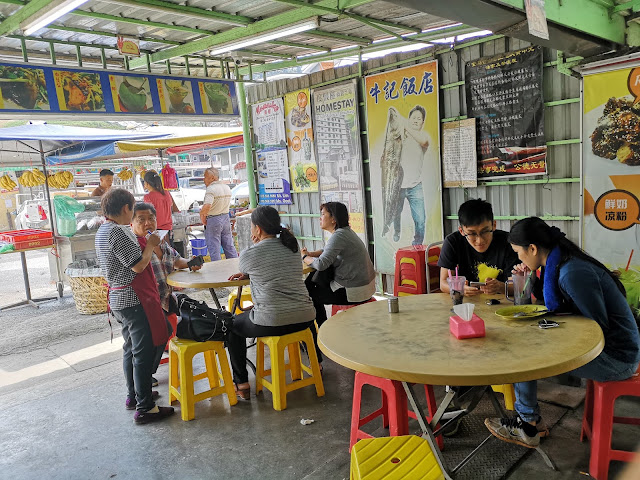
{"x": 41, "y": 242}
{"x": 22, "y": 236}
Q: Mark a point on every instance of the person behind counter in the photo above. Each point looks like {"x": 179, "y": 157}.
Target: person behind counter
{"x": 133, "y": 299}
{"x": 106, "y": 180}
{"x": 160, "y": 199}
{"x": 282, "y": 305}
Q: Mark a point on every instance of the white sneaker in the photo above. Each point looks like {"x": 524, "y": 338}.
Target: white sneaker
{"x": 512, "y": 430}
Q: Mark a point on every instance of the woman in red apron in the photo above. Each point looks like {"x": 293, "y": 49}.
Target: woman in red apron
{"x": 133, "y": 299}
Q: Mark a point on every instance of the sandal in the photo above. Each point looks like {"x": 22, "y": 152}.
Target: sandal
{"x": 243, "y": 393}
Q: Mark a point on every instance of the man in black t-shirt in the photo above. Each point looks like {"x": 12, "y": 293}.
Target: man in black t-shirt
{"x": 481, "y": 253}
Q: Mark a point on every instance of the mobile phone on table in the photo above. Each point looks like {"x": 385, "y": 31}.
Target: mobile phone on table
{"x": 477, "y": 284}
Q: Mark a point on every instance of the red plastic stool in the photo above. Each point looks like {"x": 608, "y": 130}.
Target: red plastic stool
{"x": 173, "y": 320}
{"x": 394, "y": 410}
{"x": 341, "y": 308}
{"x": 411, "y": 271}
{"x": 598, "y": 420}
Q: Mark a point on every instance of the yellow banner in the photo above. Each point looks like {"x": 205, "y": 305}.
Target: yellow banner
{"x": 302, "y": 161}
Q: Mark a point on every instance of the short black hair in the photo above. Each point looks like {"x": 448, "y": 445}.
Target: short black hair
{"x": 113, "y": 201}
{"x": 419, "y": 108}
{"x": 105, "y": 172}
{"x": 140, "y": 206}
{"x": 474, "y": 212}
{"x": 338, "y": 212}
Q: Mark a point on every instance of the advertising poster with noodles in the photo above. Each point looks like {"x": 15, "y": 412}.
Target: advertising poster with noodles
{"x": 337, "y": 137}
{"x": 611, "y": 169}
{"x": 302, "y": 159}
{"x": 403, "y": 125}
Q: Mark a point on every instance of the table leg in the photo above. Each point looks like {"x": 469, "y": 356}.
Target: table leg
{"x": 215, "y": 298}
{"x": 27, "y": 288}
{"x": 237, "y": 302}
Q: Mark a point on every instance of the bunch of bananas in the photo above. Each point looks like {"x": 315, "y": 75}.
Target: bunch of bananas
{"x": 31, "y": 178}
{"x": 125, "y": 174}
{"x": 7, "y": 183}
{"x": 60, "y": 180}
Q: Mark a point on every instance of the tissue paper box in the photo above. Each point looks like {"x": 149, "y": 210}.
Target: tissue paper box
{"x": 462, "y": 329}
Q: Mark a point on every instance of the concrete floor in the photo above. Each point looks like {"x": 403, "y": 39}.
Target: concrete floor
{"x": 63, "y": 417}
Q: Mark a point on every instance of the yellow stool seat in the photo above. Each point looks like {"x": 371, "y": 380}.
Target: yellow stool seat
{"x": 393, "y": 458}
{"x": 509, "y": 394}
{"x": 278, "y": 384}
{"x": 182, "y": 379}
{"x": 245, "y": 299}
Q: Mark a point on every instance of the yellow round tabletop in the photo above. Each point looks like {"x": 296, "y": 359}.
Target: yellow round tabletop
{"x": 415, "y": 345}
{"x": 212, "y": 275}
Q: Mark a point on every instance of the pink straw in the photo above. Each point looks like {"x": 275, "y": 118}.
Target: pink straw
{"x": 456, "y": 272}
{"x": 629, "y": 262}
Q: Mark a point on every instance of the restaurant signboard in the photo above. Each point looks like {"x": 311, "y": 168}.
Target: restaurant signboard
{"x": 302, "y": 161}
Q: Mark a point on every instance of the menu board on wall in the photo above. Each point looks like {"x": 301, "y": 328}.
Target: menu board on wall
{"x": 302, "y": 161}
{"x": 611, "y": 173}
{"x": 335, "y": 118}
{"x": 271, "y": 153}
{"x": 504, "y": 94}
{"x": 403, "y": 125}
{"x": 459, "y": 154}
{"x": 53, "y": 90}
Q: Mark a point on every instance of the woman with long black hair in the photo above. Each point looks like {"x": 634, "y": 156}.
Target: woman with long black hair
{"x": 281, "y": 302}
{"x": 160, "y": 199}
{"x": 571, "y": 281}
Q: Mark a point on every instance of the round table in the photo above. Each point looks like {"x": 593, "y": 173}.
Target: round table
{"x": 415, "y": 345}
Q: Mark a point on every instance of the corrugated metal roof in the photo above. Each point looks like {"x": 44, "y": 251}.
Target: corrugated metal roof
{"x": 167, "y": 26}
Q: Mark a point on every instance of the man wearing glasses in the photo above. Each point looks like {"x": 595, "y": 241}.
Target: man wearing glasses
{"x": 481, "y": 253}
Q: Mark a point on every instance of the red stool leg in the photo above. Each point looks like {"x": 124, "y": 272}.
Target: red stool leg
{"x": 385, "y": 409}
{"x": 587, "y": 417}
{"x": 601, "y": 431}
{"x": 355, "y": 410}
{"x": 433, "y": 406}
{"x": 398, "y": 413}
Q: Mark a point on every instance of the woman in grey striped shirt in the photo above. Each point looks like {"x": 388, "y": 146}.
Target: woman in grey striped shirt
{"x": 281, "y": 304}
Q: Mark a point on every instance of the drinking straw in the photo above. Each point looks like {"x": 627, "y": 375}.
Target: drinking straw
{"x": 526, "y": 285}
{"x": 629, "y": 262}
{"x": 456, "y": 272}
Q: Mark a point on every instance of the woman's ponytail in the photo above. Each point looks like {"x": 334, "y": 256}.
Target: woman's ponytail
{"x": 268, "y": 219}
{"x": 153, "y": 179}
{"x": 288, "y": 240}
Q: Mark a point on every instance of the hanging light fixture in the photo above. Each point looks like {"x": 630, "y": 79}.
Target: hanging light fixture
{"x": 49, "y": 14}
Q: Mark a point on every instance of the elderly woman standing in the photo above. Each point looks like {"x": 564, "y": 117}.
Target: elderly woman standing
{"x": 281, "y": 303}
{"x": 353, "y": 279}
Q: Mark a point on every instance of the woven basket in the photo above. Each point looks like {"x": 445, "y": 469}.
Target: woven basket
{"x": 90, "y": 294}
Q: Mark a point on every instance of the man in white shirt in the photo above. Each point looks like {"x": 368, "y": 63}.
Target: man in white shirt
{"x": 415, "y": 143}
{"x": 215, "y": 216}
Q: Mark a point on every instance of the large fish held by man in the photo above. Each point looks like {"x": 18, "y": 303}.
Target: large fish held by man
{"x": 392, "y": 172}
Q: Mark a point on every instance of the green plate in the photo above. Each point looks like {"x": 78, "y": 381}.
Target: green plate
{"x": 528, "y": 311}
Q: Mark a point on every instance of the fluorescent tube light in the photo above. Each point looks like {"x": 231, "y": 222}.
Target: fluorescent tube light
{"x": 274, "y": 34}
{"x": 49, "y": 14}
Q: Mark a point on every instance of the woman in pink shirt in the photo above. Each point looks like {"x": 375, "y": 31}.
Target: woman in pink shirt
{"x": 160, "y": 199}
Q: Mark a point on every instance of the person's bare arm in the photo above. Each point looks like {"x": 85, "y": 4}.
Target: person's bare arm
{"x": 314, "y": 253}
{"x": 152, "y": 241}
{"x": 444, "y": 274}
{"x": 203, "y": 213}
{"x": 174, "y": 207}
{"x": 420, "y": 136}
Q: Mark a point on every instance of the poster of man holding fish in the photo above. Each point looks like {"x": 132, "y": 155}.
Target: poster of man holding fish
{"x": 403, "y": 127}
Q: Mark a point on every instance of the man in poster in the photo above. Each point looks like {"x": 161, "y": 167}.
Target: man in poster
{"x": 415, "y": 142}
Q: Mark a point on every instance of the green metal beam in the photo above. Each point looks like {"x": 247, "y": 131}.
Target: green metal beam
{"x": 256, "y": 28}
{"x": 108, "y": 34}
{"x": 13, "y": 22}
{"x": 299, "y": 45}
{"x": 246, "y": 137}
{"x": 259, "y": 53}
{"x": 194, "y": 12}
{"x": 339, "y": 36}
{"x": 585, "y": 16}
{"x": 632, "y": 5}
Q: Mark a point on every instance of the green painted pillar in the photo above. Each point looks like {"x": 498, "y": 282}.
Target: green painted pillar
{"x": 246, "y": 134}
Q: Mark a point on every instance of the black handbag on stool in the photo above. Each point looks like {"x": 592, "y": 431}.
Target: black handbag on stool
{"x": 200, "y": 322}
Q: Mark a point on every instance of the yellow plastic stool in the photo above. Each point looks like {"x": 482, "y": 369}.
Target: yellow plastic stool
{"x": 182, "y": 379}
{"x": 393, "y": 458}
{"x": 509, "y": 394}
{"x": 244, "y": 298}
{"x": 278, "y": 384}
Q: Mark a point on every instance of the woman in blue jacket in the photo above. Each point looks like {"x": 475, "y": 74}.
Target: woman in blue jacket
{"x": 575, "y": 282}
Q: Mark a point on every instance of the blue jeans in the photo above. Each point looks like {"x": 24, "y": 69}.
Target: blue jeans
{"x": 415, "y": 196}
{"x": 603, "y": 368}
{"x": 218, "y": 232}
{"x": 138, "y": 355}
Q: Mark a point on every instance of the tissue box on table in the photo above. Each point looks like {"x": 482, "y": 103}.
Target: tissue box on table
{"x": 466, "y": 329}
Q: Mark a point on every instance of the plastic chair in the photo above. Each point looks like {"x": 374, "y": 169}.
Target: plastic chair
{"x": 173, "y": 320}
{"x": 278, "y": 384}
{"x": 394, "y": 410}
{"x": 245, "y": 298}
{"x": 395, "y": 458}
{"x": 598, "y": 420}
{"x": 410, "y": 271}
{"x": 182, "y": 379}
{"x": 341, "y": 308}
{"x": 509, "y": 394}
{"x": 432, "y": 254}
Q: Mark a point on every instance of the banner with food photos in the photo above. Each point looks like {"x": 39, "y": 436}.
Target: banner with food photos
{"x": 403, "y": 130}
{"x": 504, "y": 95}
{"x": 54, "y": 89}
{"x": 302, "y": 158}
{"x": 270, "y": 140}
{"x": 337, "y": 137}
{"x": 611, "y": 173}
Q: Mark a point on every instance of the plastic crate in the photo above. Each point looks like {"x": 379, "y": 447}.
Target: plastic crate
{"x": 22, "y": 236}
{"x": 42, "y": 242}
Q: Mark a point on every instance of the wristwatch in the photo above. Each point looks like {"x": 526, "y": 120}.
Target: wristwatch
{"x": 304, "y": 256}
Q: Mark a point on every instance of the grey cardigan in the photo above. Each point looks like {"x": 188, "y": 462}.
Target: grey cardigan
{"x": 350, "y": 258}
